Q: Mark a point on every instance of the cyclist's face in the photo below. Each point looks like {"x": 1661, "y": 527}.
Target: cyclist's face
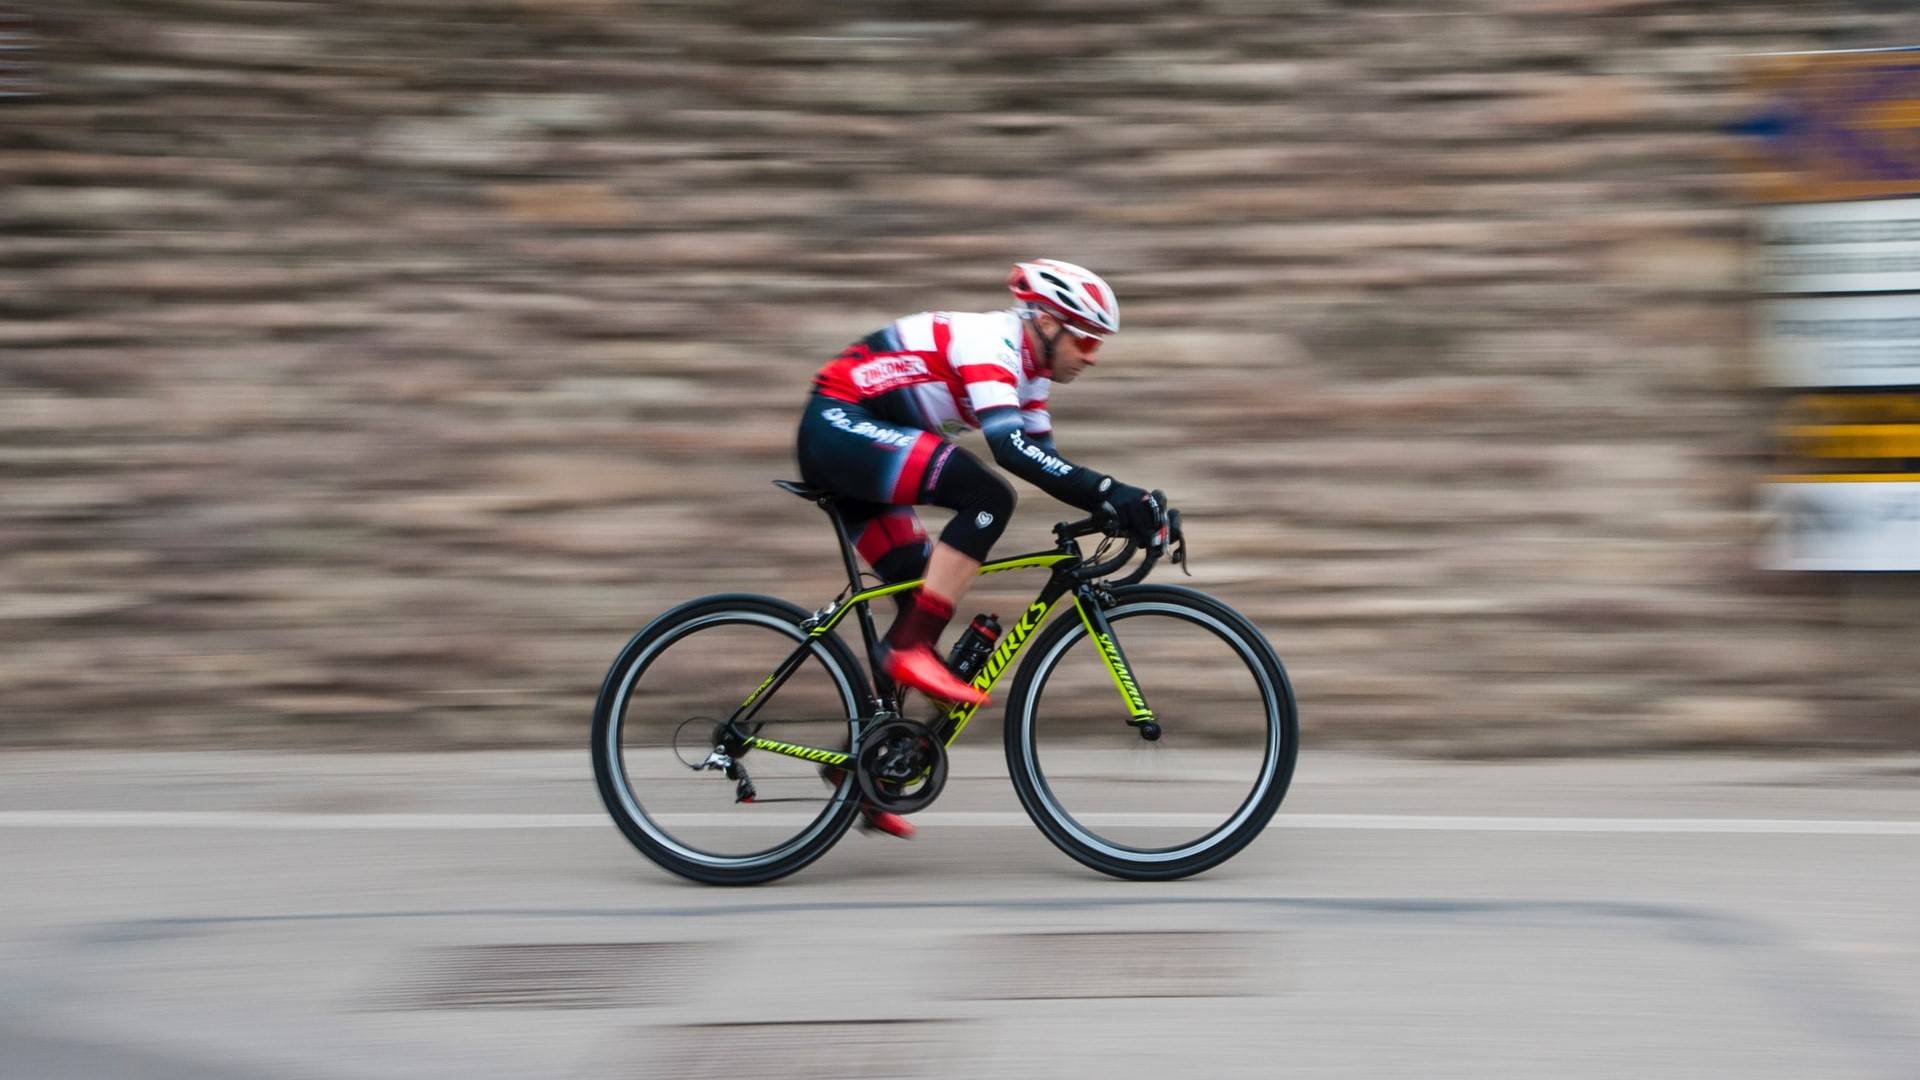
{"x": 1071, "y": 354}
{"x": 1069, "y": 359}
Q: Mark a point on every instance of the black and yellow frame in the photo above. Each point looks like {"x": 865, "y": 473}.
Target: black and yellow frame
{"x": 1071, "y": 576}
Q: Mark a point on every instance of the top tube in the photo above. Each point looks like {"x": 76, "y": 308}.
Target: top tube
{"x": 1036, "y": 561}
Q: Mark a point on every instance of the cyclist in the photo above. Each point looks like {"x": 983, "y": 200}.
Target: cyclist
{"x": 872, "y": 435}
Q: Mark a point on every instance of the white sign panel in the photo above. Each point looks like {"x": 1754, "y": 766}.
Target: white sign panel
{"x": 1841, "y": 341}
{"x": 1847, "y": 247}
{"x": 1842, "y": 525}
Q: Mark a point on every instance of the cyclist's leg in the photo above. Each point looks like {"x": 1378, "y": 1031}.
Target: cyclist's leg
{"x": 982, "y": 504}
{"x": 846, "y": 449}
{"x": 874, "y": 468}
{"x": 889, "y": 538}
{"x": 877, "y": 470}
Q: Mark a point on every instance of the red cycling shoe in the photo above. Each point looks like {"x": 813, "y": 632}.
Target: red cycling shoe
{"x": 872, "y": 818}
{"x": 919, "y": 668}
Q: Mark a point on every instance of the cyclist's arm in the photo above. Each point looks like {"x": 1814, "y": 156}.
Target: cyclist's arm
{"x": 1033, "y": 459}
{"x": 989, "y": 365}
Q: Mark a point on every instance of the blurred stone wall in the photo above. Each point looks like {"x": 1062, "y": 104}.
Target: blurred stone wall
{"x": 369, "y": 371}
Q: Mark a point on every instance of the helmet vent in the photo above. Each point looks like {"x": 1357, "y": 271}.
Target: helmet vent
{"x": 1065, "y": 296}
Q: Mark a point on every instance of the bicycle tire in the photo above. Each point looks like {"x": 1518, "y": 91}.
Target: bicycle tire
{"x": 1280, "y": 729}
{"x": 623, "y": 685}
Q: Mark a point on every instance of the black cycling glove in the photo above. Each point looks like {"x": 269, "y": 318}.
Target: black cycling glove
{"x": 1141, "y": 514}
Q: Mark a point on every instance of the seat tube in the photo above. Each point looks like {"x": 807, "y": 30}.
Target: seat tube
{"x": 1101, "y": 631}
{"x": 883, "y": 687}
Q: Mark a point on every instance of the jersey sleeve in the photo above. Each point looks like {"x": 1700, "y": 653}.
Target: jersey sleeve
{"x": 1037, "y": 462}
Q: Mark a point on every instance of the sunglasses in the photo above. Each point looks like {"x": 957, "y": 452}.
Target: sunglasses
{"x": 1089, "y": 343}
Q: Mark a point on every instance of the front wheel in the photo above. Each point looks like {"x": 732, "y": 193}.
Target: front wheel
{"x": 1176, "y": 806}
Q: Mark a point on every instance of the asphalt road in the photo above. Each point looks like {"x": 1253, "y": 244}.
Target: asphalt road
{"x": 219, "y": 916}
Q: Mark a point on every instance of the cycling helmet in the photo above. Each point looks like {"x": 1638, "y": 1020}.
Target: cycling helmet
{"x": 1076, "y": 296}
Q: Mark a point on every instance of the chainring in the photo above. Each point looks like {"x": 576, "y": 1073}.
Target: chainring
{"x": 901, "y": 766}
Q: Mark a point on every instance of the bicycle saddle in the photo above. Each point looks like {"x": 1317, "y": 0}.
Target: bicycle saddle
{"x": 795, "y": 487}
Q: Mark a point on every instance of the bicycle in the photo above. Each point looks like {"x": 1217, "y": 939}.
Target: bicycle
{"x": 690, "y": 682}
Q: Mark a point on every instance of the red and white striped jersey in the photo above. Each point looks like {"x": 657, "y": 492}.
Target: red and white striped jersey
{"x": 939, "y": 370}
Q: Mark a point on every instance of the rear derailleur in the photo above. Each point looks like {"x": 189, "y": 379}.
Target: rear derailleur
{"x": 736, "y": 772}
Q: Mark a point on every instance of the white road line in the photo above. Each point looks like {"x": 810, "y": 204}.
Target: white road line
{"x": 265, "y": 820}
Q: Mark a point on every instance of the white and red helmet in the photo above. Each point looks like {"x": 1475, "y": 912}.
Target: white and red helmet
{"x": 1076, "y": 296}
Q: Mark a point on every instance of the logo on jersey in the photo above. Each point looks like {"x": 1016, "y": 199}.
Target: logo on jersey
{"x": 879, "y": 376}
{"x": 867, "y": 429}
{"x": 984, "y": 519}
{"x": 1054, "y": 466}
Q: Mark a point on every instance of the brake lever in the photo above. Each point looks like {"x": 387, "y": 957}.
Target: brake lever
{"x": 1177, "y": 542}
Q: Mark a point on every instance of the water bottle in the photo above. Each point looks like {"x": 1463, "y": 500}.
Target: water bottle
{"x": 973, "y": 646}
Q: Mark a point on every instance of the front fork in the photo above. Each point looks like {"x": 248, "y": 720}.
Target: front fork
{"x": 1087, "y": 600}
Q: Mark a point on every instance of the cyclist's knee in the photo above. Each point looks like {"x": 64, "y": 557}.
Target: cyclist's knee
{"x": 981, "y": 502}
{"x": 999, "y": 499}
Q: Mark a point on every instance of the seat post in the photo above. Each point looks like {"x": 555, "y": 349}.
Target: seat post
{"x": 825, "y": 502}
{"x": 882, "y": 684}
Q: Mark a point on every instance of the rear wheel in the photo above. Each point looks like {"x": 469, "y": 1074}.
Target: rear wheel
{"x": 1176, "y": 806}
{"x": 659, "y": 708}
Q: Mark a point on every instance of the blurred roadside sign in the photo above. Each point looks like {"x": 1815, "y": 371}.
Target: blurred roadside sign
{"x": 1836, "y": 523}
{"x": 1841, "y": 341}
{"x": 1836, "y": 139}
{"x": 1834, "y": 125}
{"x": 1848, "y": 247}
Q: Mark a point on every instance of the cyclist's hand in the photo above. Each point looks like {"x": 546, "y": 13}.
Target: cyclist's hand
{"x": 1141, "y": 515}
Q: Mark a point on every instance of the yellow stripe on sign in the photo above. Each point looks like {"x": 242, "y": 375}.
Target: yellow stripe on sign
{"x": 1848, "y": 478}
{"x": 1854, "y": 440}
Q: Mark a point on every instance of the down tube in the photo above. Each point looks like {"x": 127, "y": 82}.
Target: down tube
{"x": 1012, "y": 639}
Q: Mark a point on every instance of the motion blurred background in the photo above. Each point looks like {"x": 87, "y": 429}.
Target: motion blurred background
{"x": 370, "y": 370}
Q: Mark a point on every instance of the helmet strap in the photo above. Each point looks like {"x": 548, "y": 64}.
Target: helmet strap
{"x": 1046, "y": 343}
{"x": 1049, "y": 343}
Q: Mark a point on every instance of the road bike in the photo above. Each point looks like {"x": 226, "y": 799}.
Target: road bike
{"x": 1150, "y": 737}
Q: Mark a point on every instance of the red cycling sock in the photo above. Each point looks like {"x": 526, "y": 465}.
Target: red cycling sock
{"x": 921, "y": 621}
